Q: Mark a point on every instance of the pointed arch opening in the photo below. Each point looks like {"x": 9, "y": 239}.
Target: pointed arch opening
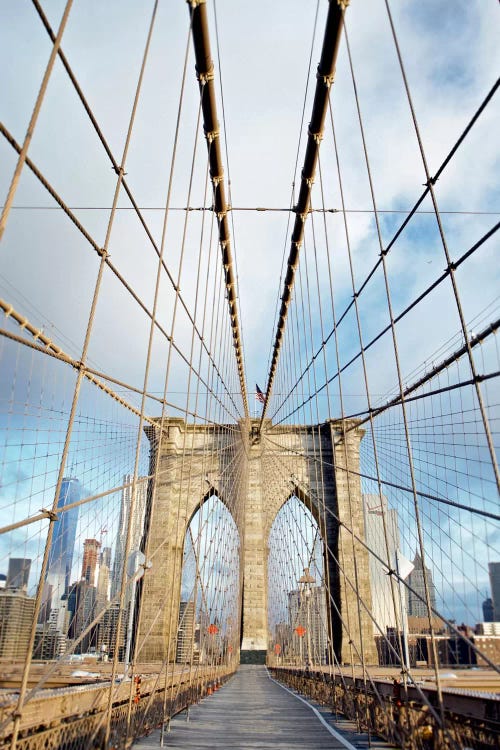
{"x": 209, "y": 611}
{"x": 298, "y": 612}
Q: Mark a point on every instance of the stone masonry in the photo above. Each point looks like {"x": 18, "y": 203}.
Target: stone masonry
{"x": 254, "y": 476}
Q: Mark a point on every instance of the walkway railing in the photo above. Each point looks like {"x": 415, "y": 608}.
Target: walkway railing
{"x": 398, "y": 714}
{"x": 75, "y": 717}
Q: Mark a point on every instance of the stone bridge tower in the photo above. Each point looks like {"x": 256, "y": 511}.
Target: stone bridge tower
{"x": 254, "y": 476}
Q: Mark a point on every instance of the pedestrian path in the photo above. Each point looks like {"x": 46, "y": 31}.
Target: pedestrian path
{"x": 252, "y": 712}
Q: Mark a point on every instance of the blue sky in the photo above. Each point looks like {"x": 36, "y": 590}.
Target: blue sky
{"x": 49, "y": 270}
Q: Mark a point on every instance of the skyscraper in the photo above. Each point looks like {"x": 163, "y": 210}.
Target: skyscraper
{"x": 307, "y": 608}
{"x": 137, "y": 523}
{"x": 18, "y": 573}
{"x": 417, "y": 606}
{"x": 91, "y": 549}
{"x": 488, "y": 610}
{"x": 375, "y": 510}
{"x": 103, "y": 579}
{"x": 61, "y": 550}
{"x": 494, "y": 571}
{"x": 16, "y": 615}
{"x": 107, "y": 632}
{"x": 105, "y": 558}
{"x": 81, "y": 605}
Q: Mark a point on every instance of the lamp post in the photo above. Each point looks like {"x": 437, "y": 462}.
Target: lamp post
{"x": 305, "y": 582}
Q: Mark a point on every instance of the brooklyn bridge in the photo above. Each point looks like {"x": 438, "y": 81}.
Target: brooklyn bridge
{"x": 249, "y": 375}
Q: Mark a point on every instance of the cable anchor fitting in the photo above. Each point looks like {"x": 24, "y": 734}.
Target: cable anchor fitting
{"x": 205, "y": 77}
{"x": 327, "y": 79}
{"x": 211, "y": 135}
{"x": 317, "y": 137}
{"x": 50, "y": 514}
{"x": 217, "y": 179}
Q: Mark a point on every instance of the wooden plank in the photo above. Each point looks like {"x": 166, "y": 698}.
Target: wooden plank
{"x": 251, "y": 712}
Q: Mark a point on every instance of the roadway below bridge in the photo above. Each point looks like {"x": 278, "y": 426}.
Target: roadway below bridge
{"x": 254, "y": 711}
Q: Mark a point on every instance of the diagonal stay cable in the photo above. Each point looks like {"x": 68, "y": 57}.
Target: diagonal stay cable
{"x": 388, "y": 327}
{"x": 205, "y": 73}
{"x": 406, "y": 221}
{"x": 127, "y": 189}
{"x": 324, "y": 81}
{"x": 111, "y": 266}
{"x": 426, "y": 495}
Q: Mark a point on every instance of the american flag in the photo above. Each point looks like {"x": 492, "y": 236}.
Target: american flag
{"x": 259, "y": 395}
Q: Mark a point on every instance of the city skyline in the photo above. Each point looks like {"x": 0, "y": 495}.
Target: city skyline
{"x": 204, "y": 196}
{"x": 70, "y": 601}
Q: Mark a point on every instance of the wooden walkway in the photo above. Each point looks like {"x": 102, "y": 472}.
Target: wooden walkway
{"x": 253, "y": 712}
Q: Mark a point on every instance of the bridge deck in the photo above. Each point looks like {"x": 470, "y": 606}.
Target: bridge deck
{"x": 252, "y": 711}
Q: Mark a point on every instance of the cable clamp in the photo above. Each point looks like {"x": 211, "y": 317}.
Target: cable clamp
{"x": 327, "y": 79}
{"x": 430, "y": 182}
{"x": 343, "y": 4}
{"x": 309, "y": 181}
{"x": 50, "y": 514}
{"x": 452, "y": 266}
{"x": 195, "y": 3}
{"x": 102, "y": 252}
{"x": 318, "y": 137}
{"x": 211, "y": 135}
{"x": 208, "y": 75}
{"x": 119, "y": 171}
{"x": 217, "y": 179}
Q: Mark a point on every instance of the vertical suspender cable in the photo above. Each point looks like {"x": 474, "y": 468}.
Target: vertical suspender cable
{"x": 205, "y": 73}
{"x": 324, "y": 80}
